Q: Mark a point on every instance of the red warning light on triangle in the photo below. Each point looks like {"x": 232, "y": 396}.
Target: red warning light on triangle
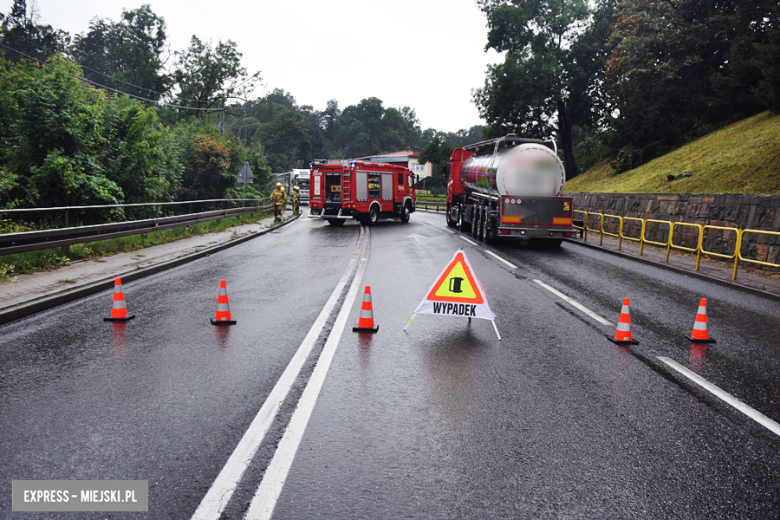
{"x": 456, "y": 284}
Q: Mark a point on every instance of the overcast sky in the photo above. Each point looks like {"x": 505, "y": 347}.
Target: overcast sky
{"x": 426, "y": 54}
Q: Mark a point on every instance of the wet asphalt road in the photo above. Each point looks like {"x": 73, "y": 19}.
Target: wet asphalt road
{"x": 443, "y": 421}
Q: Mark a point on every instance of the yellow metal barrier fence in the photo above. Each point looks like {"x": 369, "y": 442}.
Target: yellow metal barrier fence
{"x": 696, "y": 249}
{"x": 738, "y": 245}
{"x": 619, "y": 234}
{"x": 584, "y": 227}
{"x": 600, "y": 230}
{"x": 641, "y": 238}
{"x": 669, "y": 244}
{"x": 742, "y": 234}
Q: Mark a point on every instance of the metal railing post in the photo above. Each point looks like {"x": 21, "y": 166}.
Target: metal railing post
{"x": 737, "y": 252}
{"x": 66, "y": 249}
{"x": 585, "y": 232}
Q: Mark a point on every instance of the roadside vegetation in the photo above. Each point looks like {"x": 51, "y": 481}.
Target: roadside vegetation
{"x": 742, "y": 158}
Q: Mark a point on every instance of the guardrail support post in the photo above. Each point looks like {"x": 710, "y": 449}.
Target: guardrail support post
{"x": 66, "y": 249}
{"x": 143, "y": 235}
{"x": 737, "y": 252}
{"x": 601, "y": 231}
{"x": 585, "y": 227}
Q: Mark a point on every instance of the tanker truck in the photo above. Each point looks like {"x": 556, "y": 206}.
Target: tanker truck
{"x": 509, "y": 187}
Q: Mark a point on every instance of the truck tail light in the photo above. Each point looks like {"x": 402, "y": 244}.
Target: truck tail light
{"x": 570, "y": 234}
{"x": 503, "y": 231}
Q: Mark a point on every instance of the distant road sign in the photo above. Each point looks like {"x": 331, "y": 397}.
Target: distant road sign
{"x": 245, "y": 176}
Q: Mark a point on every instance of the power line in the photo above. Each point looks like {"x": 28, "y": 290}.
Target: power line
{"x": 114, "y": 89}
{"x": 131, "y": 84}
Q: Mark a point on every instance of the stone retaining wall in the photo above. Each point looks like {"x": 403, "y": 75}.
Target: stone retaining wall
{"x": 760, "y": 212}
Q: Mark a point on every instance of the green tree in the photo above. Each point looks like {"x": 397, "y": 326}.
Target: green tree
{"x": 550, "y": 72}
{"x": 56, "y": 137}
{"x": 20, "y": 32}
{"x": 128, "y": 55}
{"x": 679, "y": 69}
{"x": 368, "y": 129}
{"x": 437, "y": 152}
{"x": 204, "y": 74}
{"x": 144, "y": 160}
{"x": 288, "y": 142}
{"x": 330, "y": 124}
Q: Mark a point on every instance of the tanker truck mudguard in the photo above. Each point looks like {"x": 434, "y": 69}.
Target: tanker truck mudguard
{"x": 509, "y": 187}
{"x": 362, "y": 191}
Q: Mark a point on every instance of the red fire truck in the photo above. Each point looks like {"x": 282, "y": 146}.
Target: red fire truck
{"x": 361, "y": 191}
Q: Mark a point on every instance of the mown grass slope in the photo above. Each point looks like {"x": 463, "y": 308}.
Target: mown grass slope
{"x": 741, "y": 158}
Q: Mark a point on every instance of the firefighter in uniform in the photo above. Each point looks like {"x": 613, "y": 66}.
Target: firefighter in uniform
{"x": 278, "y": 199}
{"x": 295, "y": 198}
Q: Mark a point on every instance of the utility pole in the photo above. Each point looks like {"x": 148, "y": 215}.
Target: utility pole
{"x": 222, "y": 116}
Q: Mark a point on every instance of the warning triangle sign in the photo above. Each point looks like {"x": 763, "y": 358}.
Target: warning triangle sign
{"x": 456, "y": 284}
{"x": 456, "y": 292}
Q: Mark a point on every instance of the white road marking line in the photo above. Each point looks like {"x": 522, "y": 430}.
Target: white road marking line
{"x": 433, "y": 227}
{"x": 469, "y": 241}
{"x": 725, "y": 396}
{"x": 447, "y": 230}
{"x": 491, "y": 253}
{"x": 218, "y": 495}
{"x": 417, "y": 238}
{"x": 574, "y": 303}
{"x": 264, "y": 501}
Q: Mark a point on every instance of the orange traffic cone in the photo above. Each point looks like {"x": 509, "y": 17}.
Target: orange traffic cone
{"x": 222, "y": 317}
{"x": 119, "y": 309}
{"x": 700, "y": 333}
{"x": 366, "y": 320}
{"x": 623, "y": 332}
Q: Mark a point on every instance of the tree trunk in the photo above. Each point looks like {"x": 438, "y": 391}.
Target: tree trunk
{"x": 564, "y": 130}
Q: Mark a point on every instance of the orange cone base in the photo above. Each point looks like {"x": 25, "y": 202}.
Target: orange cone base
{"x": 222, "y": 322}
{"x": 694, "y": 340}
{"x": 120, "y": 319}
{"x": 622, "y": 342}
{"x": 365, "y": 329}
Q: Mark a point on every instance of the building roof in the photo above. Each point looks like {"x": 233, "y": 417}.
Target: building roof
{"x": 402, "y": 153}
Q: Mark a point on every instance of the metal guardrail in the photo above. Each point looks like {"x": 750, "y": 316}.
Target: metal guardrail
{"x": 144, "y": 205}
{"x": 669, "y": 244}
{"x": 437, "y": 206}
{"x": 11, "y": 243}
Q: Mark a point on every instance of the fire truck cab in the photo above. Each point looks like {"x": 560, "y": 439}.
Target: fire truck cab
{"x": 362, "y": 191}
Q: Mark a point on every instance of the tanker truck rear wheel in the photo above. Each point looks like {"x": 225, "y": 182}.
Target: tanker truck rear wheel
{"x": 475, "y": 223}
{"x": 481, "y": 226}
{"x": 464, "y": 226}
{"x": 488, "y": 232}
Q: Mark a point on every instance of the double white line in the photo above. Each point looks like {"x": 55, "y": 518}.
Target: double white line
{"x": 218, "y": 496}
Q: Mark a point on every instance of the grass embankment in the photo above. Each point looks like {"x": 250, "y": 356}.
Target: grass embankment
{"x": 432, "y": 198}
{"x": 31, "y": 261}
{"x": 741, "y": 158}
